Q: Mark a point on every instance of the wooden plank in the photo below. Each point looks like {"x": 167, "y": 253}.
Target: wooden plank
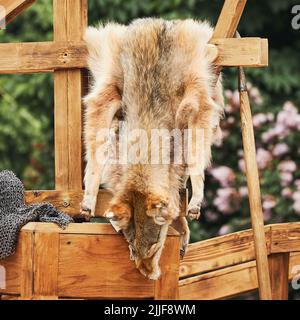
{"x": 37, "y": 57}
{"x": 227, "y": 282}
{"x": 69, "y": 201}
{"x": 27, "y": 244}
{"x": 166, "y": 288}
{"x": 219, "y": 252}
{"x": 80, "y": 228}
{"x": 61, "y": 137}
{"x": 279, "y": 274}
{"x": 285, "y": 239}
{"x": 220, "y": 284}
{"x": 98, "y": 266}
{"x": 32, "y": 57}
{"x": 229, "y": 18}
{"x": 236, "y": 248}
{"x": 77, "y": 23}
{"x": 69, "y": 24}
{"x": 247, "y": 52}
{"x": 252, "y": 176}
{"x": 12, "y": 266}
{"x": 12, "y": 9}
{"x": 46, "y": 254}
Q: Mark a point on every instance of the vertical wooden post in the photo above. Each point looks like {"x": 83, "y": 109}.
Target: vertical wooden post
{"x": 27, "y": 243}
{"x": 254, "y": 192}
{"x": 166, "y": 288}
{"x": 46, "y": 247}
{"x": 70, "y": 20}
{"x": 229, "y": 18}
{"x": 279, "y": 273}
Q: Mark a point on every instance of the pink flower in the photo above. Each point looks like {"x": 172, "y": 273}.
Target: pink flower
{"x": 224, "y": 175}
{"x": 296, "y": 196}
{"x": 259, "y": 119}
{"x": 227, "y": 200}
{"x": 224, "y": 230}
{"x": 280, "y": 149}
{"x": 297, "y": 184}
{"x": 230, "y": 120}
{"x": 286, "y": 178}
{"x": 287, "y": 193}
{"x": 211, "y": 216}
{"x": 269, "y": 204}
{"x": 228, "y": 94}
{"x": 255, "y": 95}
{"x": 263, "y": 158}
{"x": 243, "y": 191}
{"x": 270, "y": 117}
{"x": 242, "y": 165}
{"x": 296, "y": 207}
{"x": 267, "y": 215}
{"x": 235, "y": 99}
{"x": 290, "y": 107}
{"x": 287, "y": 166}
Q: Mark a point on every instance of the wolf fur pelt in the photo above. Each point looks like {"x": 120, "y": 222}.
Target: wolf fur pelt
{"x": 152, "y": 74}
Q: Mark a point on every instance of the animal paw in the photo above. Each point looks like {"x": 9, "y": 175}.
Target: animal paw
{"x": 193, "y": 212}
{"x": 88, "y": 207}
{"x": 158, "y": 210}
{"x": 120, "y": 214}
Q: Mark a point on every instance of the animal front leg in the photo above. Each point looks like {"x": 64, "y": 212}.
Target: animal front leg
{"x": 101, "y": 110}
{"x": 180, "y": 225}
{"x": 194, "y": 205}
{"x": 199, "y": 155}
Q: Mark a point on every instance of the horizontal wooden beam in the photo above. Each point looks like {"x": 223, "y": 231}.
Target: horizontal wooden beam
{"x": 10, "y": 9}
{"x": 236, "y": 248}
{"x": 227, "y": 282}
{"x": 34, "y": 57}
{"x": 69, "y": 201}
{"x": 219, "y": 252}
{"x": 246, "y": 52}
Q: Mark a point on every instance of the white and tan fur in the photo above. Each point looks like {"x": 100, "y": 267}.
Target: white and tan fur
{"x": 157, "y": 73}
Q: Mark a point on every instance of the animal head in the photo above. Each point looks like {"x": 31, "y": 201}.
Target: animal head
{"x": 145, "y": 228}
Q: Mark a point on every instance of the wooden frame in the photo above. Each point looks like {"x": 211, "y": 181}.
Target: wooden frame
{"x": 217, "y": 268}
{"x": 44, "y": 249}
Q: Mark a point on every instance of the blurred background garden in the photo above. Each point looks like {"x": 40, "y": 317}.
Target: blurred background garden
{"x": 26, "y": 110}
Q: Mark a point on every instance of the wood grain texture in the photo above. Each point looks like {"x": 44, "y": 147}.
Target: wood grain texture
{"x": 27, "y": 276}
{"x": 97, "y": 266}
{"x": 285, "y": 239}
{"x": 13, "y": 267}
{"x": 227, "y": 282}
{"x": 220, "y": 284}
{"x": 229, "y": 18}
{"x": 69, "y": 201}
{"x": 257, "y": 219}
{"x": 70, "y": 20}
{"x": 166, "y": 288}
{"x": 46, "y": 255}
{"x": 279, "y": 274}
{"x": 220, "y": 252}
{"x": 35, "y": 57}
{"x": 13, "y": 8}
{"x": 247, "y": 52}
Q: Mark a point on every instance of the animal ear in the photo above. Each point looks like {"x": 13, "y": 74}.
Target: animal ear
{"x": 188, "y": 107}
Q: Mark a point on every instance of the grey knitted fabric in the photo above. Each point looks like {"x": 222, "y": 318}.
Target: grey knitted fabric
{"x": 14, "y": 213}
